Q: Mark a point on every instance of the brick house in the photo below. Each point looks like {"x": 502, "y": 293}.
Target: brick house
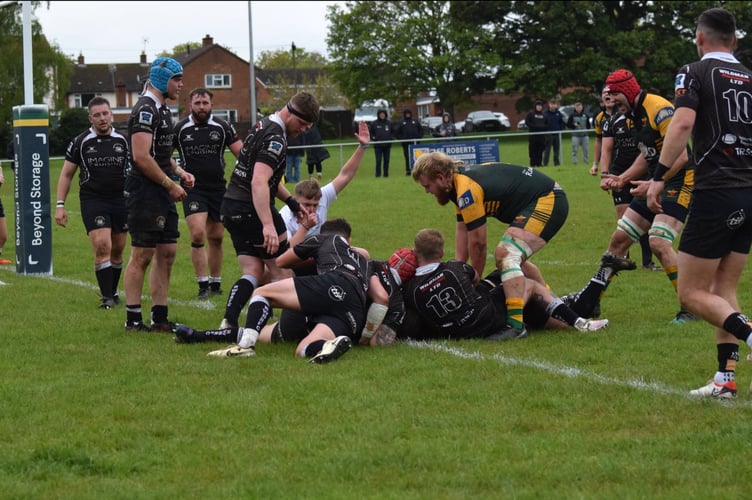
{"x": 211, "y": 66}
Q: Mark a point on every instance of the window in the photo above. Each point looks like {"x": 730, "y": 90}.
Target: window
{"x": 229, "y": 115}
{"x": 218, "y": 81}
{"x": 82, "y": 100}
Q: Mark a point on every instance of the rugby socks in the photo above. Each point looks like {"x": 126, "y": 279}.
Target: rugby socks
{"x": 728, "y": 356}
{"x": 239, "y": 295}
{"x": 672, "y": 272}
{"x": 314, "y": 348}
{"x": 557, "y": 309}
{"x": 215, "y": 284}
{"x": 133, "y": 314}
{"x": 159, "y": 314}
{"x": 514, "y": 312}
{"x": 117, "y": 269}
{"x": 103, "y": 272}
{"x": 259, "y": 312}
{"x": 737, "y": 324}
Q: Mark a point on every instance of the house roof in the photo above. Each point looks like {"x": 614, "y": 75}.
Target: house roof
{"x": 93, "y": 78}
{"x": 100, "y": 78}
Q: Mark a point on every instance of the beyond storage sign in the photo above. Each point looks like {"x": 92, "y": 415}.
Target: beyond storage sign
{"x": 32, "y": 190}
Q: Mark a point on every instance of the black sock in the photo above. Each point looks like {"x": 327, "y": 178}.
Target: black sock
{"x": 240, "y": 294}
{"x": 738, "y": 325}
{"x": 103, "y": 273}
{"x": 158, "y": 314}
{"x": 258, "y": 314}
{"x": 116, "y": 270}
{"x": 647, "y": 253}
{"x": 314, "y": 348}
{"x": 588, "y": 298}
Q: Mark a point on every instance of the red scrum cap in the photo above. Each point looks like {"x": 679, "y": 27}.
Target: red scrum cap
{"x": 624, "y": 82}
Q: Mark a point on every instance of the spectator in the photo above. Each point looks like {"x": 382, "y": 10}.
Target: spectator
{"x": 447, "y": 128}
{"x": 555, "y": 126}
{"x": 315, "y": 154}
{"x": 537, "y": 123}
{"x": 381, "y": 132}
{"x": 407, "y": 131}
{"x": 294, "y": 158}
{"x": 102, "y": 154}
{"x": 578, "y": 121}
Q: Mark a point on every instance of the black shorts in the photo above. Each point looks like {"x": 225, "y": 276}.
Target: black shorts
{"x": 675, "y": 199}
{"x": 718, "y": 223}
{"x": 152, "y": 216}
{"x": 97, "y": 213}
{"x": 622, "y": 196}
{"x": 197, "y": 201}
{"x": 334, "y": 299}
{"x": 291, "y": 327}
{"x": 2, "y": 210}
{"x": 247, "y": 232}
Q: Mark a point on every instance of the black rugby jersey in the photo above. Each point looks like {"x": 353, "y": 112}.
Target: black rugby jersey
{"x": 102, "y": 162}
{"x": 148, "y": 115}
{"x": 624, "y": 151}
{"x": 447, "y": 299}
{"x": 719, "y": 89}
{"x": 267, "y": 143}
{"x": 202, "y": 149}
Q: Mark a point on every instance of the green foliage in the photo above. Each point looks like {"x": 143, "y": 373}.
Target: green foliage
{"x": 539, "y": 49}
{"x": 72, "y": 122}
{"x": 50, "y": 66}
{"x": 90, "y": 412}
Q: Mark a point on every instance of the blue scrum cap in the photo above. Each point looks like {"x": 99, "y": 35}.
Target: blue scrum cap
{"x": 162, "y": 69}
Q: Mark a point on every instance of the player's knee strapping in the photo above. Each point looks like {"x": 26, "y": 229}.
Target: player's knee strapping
{"x": 629, "y": 226}
{"x": 515, "y": 251}
{"x": 662, "y": 231}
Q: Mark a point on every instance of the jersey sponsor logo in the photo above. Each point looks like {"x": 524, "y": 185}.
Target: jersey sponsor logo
{"x": 735, "y": 75}
{"x": 465, "y": 199}
{"x": 336, "y": 293}
{"x": 145, "y": 118}
{"x": 679, "y": 82}
{"x": 275, "y": 147}
{"x": 664, "y": 114}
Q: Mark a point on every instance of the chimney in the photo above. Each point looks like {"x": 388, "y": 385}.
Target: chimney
{"x": 143, "y": 59}
{"x": 80, "y": 59}
{"x": 207, "y": 41}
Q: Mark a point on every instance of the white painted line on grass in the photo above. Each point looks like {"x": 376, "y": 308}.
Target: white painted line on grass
{"x": 198, "y": 304}
{"x": 567, "y": 371}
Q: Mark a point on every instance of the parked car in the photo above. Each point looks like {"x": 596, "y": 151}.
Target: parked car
{"x": 460, "y": 126}
{"x": 480, "y": 121}
{"x": 368, "y": 111}
{"x": 430, "y": 125}
{"x": 521, "y": 125}
{"x": 503, "y": 119}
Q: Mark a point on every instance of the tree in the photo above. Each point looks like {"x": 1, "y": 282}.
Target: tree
{"x": 536, "y": 48}
{"x": 51, "y": 68}
{"x": 448, "y": 47}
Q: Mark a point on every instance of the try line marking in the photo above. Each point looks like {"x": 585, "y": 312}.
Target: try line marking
{"x": 566, "y": 371}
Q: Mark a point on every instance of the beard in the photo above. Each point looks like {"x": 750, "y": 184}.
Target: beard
{"x": 443, "y": 197}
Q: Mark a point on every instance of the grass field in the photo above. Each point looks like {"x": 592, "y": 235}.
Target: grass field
{"x": 89, "y": 412}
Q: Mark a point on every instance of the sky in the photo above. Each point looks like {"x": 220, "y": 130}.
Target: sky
{"x": 115, "y": 32}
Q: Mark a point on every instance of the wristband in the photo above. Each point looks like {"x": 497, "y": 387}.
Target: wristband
{"x": 293, "y": 204}
{"x": 60, "y": 204}
{"x": 166, "y": 182}
{"x": 660, "y": 171}
{"x": 363, "y": 146}
{"x": 604, "y": 173}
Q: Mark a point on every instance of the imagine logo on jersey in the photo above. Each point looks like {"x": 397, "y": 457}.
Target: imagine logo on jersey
{"x": 465, "y": 199}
